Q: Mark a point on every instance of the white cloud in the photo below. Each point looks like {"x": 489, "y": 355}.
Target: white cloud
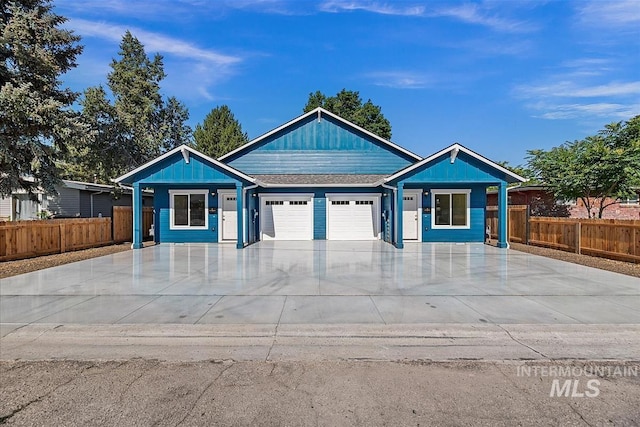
{"x": 373, "y": 7}
{"x": 154, "y": 42}
{"x": 192, "y": 71}
{"x": 611, "y": 14}
{"x": 470, "y": 13}
{"x": 400, "y": 79}
{"x": 570, "y": 89}
{"x": 584, "y": 87}
{"x": 577, "y": 111}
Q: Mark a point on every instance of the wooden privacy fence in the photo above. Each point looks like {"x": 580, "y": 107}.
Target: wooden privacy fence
{"x": 607, "y": 238}
{"x": 123, "y": 223}
{"x": 516, "y": 226}
{"x": 27, "y": 239}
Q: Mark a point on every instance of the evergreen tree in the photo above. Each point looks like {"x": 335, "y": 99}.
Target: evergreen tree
{"x": 36, "y": 121}
{"x": 137, "y": 126}
{"x": 220, "y": 133}
{"x": 348, "y": 105}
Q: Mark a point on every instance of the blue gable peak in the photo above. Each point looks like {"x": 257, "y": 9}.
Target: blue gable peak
{"x": 453, "y": 151}
{"x": 318, "y": 113}
{"x": 186, "y": 152}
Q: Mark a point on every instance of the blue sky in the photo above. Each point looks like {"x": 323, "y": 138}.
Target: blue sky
{"x": 500, "y": 77}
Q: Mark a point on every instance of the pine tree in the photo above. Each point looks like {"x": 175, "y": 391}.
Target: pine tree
{"x": 219, "y": 133}
{"x": 134, "y": 128}
{"x": 36, "y": 119}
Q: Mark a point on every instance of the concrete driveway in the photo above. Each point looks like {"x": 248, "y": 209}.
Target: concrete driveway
{"x": 320, "y": 283}
{"x": 348, "y": 299}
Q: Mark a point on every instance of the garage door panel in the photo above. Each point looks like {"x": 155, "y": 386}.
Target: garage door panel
{"x": 352, "y": 218}
{"x": 286, "y": 219}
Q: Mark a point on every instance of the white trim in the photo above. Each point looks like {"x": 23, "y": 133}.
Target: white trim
{"x": 378, "y": 213}
{"x": 417, "y": 193}
{"x": 320, "y": 111}
{"x": 221, "y": 194}
{"x": 188, "y": 192}
{"x": 262, "y": 198}
{"x": 182, "y": 149}
{"x": 185, "y": 154}
{"x": 450, "y": 191}
{"x": 454, "y": 154}
{"x": 446, "y": 150}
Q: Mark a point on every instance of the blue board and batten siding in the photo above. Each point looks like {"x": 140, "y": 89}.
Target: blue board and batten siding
{"x": 174, "y": 173}
{"x": 465, "y": 168}
{"x": 174, "y": 170}
{"x": 466, "y": 172}
{"x": 477, "y": 204}
{"x": 327, "y": 146}
{"x": 163, "y": 232}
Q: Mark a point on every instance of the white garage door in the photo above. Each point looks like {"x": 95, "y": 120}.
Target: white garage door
{"x": 353, "y": 217}
{"x": 286, "y": 218}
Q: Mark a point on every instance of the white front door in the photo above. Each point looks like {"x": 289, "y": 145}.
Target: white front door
{"x": 353, "y": 217}
{"x": 229, "y": 216}
{"x": 286, "y": 217}
{"x": 410, "y": 217}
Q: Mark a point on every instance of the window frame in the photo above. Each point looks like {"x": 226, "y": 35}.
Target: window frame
{"x": 631, "y": 202}
{"x": 188, "y": 193}
{"x": 450, "y": 193}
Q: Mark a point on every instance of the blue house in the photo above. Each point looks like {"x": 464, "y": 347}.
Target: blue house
{"x": 320, "y": 177}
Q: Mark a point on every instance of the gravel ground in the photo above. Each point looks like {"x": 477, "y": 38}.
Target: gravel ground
{"x": 622, "y": 267}
{"x": 13, "y": 268}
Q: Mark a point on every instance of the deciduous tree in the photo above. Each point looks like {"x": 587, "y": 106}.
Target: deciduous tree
{"x": 599, "y": 170}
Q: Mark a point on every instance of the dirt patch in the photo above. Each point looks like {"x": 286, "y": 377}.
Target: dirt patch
{"x": 13, "y": 268}
{"x": 621, "y": 267}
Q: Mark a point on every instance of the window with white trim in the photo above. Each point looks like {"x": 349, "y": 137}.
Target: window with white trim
{"x": 188, "y": 209}
{"x": 631, "y": 201}
{"x": 451, "y": 209}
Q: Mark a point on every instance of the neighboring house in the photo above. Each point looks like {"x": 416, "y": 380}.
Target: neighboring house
{"x": 542, "y": 203}
{"x": 319, "y": 177}
{"x": 74, "y": 200}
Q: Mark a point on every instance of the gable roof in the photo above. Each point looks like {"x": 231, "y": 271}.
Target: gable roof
{"x": 451, "y": 148}
{"x": 182, "y": 149}
{"x": 319, "y": 112}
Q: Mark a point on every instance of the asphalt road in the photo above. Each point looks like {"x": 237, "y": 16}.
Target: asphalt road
{"x": 332, "y": 393}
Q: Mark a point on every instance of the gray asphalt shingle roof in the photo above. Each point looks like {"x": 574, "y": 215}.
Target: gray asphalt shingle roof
{"x": 316, "y": 179}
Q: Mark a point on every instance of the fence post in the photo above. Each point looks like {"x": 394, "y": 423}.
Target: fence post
{"x": 578, "y": 236}
{"x": 527, "y": 226}
{"x": 3, "y": 243}
{"x": 63, "y": 238}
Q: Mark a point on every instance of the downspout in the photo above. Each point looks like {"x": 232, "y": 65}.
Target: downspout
{"x": 395, "y": 190}
{"x": 244, "y": 198}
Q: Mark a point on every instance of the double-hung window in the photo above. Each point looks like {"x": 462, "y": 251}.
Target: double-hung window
{"x": 188, "y": 209}
{"x": 450, "y": 209}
